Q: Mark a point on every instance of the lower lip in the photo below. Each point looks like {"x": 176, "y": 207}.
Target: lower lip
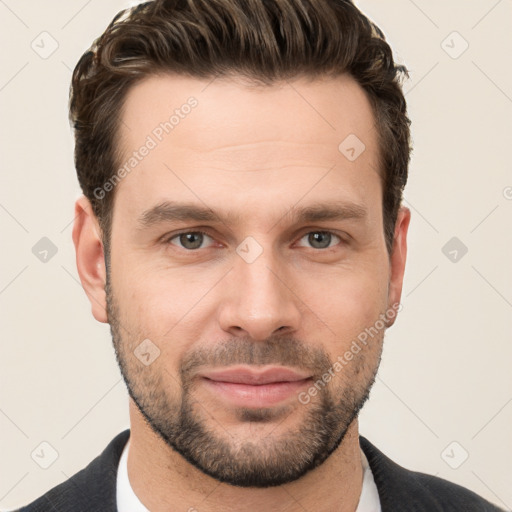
{"x": 264, "y": 395}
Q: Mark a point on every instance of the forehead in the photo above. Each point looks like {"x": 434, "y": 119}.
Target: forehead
{"x": 223, "y": 138}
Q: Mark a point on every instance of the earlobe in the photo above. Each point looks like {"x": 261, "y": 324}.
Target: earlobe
{"x": 398, "y": 259}
{"x": 90, "y": 259}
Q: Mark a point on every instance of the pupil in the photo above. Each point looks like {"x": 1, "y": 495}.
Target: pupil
{"x": 191, "y": 240}
{"x": 320, "y": 240}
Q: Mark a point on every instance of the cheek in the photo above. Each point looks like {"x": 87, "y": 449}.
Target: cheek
{"x": 149, "y": 295}
{"x": 169, "y": 311}
{"x": 144, "y": 312}
{"x": 349, "y": 304}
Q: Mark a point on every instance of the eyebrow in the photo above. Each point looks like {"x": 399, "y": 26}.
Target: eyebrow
{"x": 171, "y": 211}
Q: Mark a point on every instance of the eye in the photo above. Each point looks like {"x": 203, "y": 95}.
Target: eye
{"x": 190, "y": 240}
{"x": 321, "y": 239}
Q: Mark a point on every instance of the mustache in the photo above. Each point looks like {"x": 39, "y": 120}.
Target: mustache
{"x": 275, "y": 350}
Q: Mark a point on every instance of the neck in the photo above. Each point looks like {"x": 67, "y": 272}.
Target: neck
{"x": 162, "y": 479}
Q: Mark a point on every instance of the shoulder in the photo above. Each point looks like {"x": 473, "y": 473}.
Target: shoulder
{"x": 402, "y": 489}
{"x": 91, "y": 489}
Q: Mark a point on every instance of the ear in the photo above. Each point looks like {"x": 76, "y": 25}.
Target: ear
{"x": 397, "y": 258}
{"x": 90, "y": 259}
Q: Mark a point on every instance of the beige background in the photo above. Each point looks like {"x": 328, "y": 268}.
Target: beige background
{"x": 445, "y": 374}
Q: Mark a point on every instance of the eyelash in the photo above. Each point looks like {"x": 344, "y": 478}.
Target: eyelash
{"x": 168, "y": 240}
{"x": 176, "y": 235}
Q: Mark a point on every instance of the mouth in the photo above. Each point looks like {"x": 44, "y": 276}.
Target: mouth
{"x": 246, "y": 387}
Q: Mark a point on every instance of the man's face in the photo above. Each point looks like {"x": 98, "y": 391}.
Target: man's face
{"x": 285, "y": 267}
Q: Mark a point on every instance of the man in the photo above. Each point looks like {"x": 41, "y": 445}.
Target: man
{"x": 241, "y": 231}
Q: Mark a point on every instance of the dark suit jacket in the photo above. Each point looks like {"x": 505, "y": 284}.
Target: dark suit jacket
{"x": 94, "y": 487}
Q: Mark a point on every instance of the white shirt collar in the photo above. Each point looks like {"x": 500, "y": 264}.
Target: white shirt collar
{"x": 127, "y": 500}
{"x": 369, "y": 500}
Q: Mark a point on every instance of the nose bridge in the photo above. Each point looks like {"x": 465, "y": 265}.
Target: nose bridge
{"x": 258, "y": 300}
{"x": 260, "y": 287}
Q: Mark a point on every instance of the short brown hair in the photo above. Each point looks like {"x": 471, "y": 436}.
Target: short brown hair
{"x": 262, "y": 40}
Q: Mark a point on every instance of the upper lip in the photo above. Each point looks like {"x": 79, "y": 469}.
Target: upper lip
{"x": 245, "y": 375}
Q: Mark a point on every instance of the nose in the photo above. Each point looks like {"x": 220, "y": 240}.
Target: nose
{"x": 259, "y": 300}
